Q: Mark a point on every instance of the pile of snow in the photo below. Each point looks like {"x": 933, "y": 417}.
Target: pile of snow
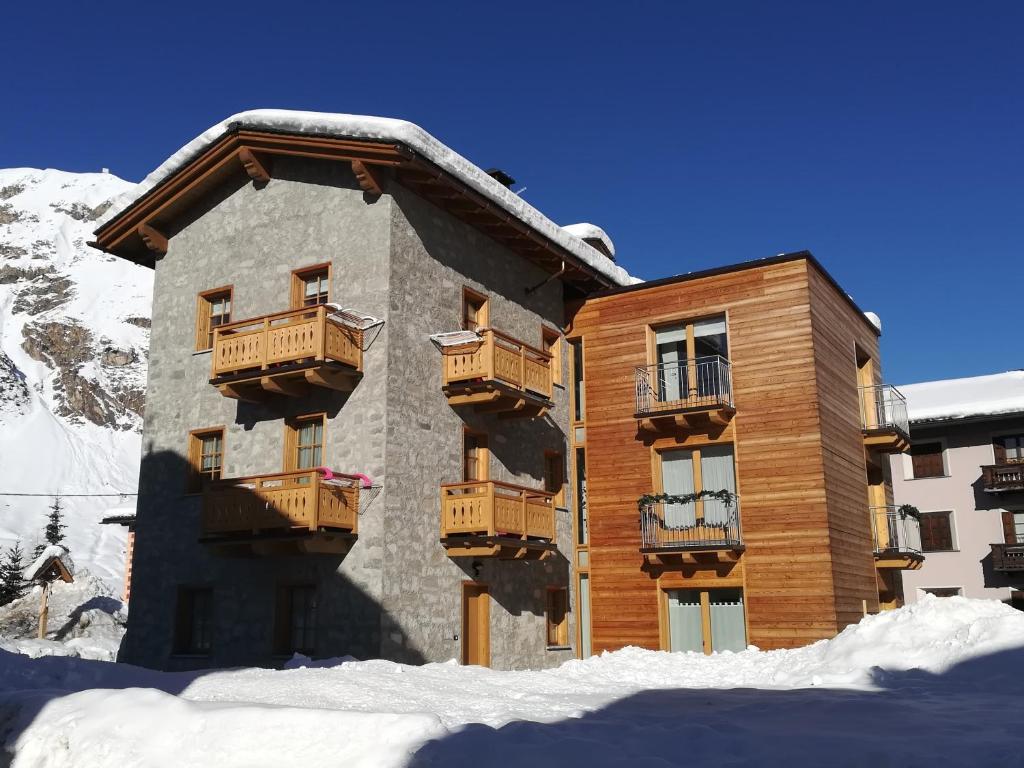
{"x": 587, "y": 231}
{"x": 950, "y": 661}
{"x": 85, "y": 621}
{"x": 973, "y": 397}
{"x": 381, "y": 129}
{"x": 50, "y": 279}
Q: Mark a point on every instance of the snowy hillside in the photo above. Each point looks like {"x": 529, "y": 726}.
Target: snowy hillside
{"x": 74, "y": 330}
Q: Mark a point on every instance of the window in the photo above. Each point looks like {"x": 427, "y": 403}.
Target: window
{"x": 582, "y": 523}
{"x": 683, "y": 472}
{"x": 311, "y": 286}
{"x": 304, "y": 443}
{"x": 1009, "y": 449}
{"x": 551, "y": 342}
{"x": 213, "y": 310}
{"x": 576, "y": 350}
{"x": 193, "y": 629}
{"x": 474, "y": 310}
{"x": 1013, "y": 527}
{"x": 205, "y": 457}
{"x": 554, "y": 476}
{"x": 295, "y": 622}
{"x": 474, "y": 457}
{"x": 706, "y": 620}
{"x": 937, "y": 532}
{"x": 942, "y": 591}
{"x": 557, "y": 613}
{"x": 926, "y": 460}
{"x": 689, "y": 358}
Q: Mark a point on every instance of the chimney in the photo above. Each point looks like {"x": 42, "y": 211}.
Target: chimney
{"x": 501, "y": 177}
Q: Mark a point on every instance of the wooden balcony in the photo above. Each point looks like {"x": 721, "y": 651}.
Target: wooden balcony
{"x": 1000, "y": 478}
{"x": 698, "y": 532}
{"x": 498, "y": 374}
{"x": 281, "y": 513}
{"x": 884, "y": 419}
{"x": 1008, "y": 558}
{"x": 492, "y": 519}
{"x": 685, "y": 395}
{"x": 284, "y": 354}
{"x": 897, "y": 539}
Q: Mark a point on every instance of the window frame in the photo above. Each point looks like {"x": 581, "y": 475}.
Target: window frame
{"x": 559, "y": 458}
{"x": 283, "y": 615}
{"x": 298, "y": 284}
{"x": 999, "y": 444}
{"x": 911, "y": 473}
{"x": 698, "y": 476}
{"x": 556, "y": 601}
{"x": 551, "y": 340}
{"x": 951, "y": 524}
{"x": 204, "y": 304}
{"x": 185, "y": 621}
{"x": 483, "y": 458}
{"x": 689, "y": 322}
{"x": 470, "y": 296}
{"x": 194, "y": 479}
{"x": 292, "y": 427}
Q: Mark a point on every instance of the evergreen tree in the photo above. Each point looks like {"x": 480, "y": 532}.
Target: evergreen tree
{"x": 54, "y": 532}
{"x": 12, "y": 584}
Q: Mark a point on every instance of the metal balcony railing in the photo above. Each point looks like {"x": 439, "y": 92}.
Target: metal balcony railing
{"x": 883, "y": 408}
{"x": 705, "y": 524}
{"x": 997, "y": 478}
{"x": 698, "y": 383}
{"x": 895, "y": 531}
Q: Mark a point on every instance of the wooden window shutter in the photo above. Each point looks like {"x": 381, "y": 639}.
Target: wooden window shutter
{"x": 999, "y": 447}
{"x": 926, "y": 459}
{"x": 936, "y": 532}
{"x": 1009, "y": 529}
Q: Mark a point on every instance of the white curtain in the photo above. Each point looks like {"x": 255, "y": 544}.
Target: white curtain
{"x": 685, "y": 630}
{"x": 712, "y": 327}
{"x": 717, "y": 474}
{"x": 728, "y": 632}
{"x": 677, "y": 479}
{"x": 670, "y": 372}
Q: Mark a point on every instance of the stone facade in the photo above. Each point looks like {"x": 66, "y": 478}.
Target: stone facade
{"x": 396, "y": 594}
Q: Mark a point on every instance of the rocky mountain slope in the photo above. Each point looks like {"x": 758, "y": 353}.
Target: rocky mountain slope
{"x": 74, "y": 332}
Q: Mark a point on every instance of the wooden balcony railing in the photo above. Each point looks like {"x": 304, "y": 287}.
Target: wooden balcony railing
{"x": 896, "y": 538}
{"x": 487, "y": 517}
{"x": 1008, "y": 557}
{"x": 884, "y": 418}
{"x": 283, "y": 351}
{"x": 498, "y": 373}
{"x": 997, "y": 478}
{"x": 281, "y": 502}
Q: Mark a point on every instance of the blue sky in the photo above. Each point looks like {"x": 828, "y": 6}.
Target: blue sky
{"x": 884, "y": 137}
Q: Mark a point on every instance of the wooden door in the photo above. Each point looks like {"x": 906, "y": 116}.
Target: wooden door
{"x": 476, "y": 620}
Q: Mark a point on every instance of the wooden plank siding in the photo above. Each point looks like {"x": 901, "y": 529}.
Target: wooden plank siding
{"x": 799, "y": 584}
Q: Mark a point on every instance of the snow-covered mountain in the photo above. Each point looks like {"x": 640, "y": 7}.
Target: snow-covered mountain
{"x": 74, "y": 334}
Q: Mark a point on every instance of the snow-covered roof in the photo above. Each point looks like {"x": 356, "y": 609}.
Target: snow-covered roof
{"x": 587, "y": 231}
{"x": 380, "y": 129}
{"x": 48, "y": 555}
{"x": 997, "y": 394}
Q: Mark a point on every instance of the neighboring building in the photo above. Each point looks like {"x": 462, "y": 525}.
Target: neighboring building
{"x": 965, "y": 473}
{"x": 360, "y": 413}
{"x": 760, "y": 378}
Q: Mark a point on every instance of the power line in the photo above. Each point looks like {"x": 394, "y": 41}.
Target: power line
{"x": 69, "y": 495}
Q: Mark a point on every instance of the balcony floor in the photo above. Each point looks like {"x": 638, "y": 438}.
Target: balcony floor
{"x": 293, "y": 380}
{"x": 498, "y": 547}
{"x": 886, "y": 440}
{"x": 895, "y": 559}
{"x": 281, "y": 543}
{"x": 688, "y": 418}
{"x": 693, "y": 554}
{"x": 489, "y": 396}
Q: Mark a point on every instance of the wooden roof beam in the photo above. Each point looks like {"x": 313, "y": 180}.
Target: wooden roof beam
{"x": 154, "y": 239}
{"x": 258, "y": 170}
{"x": 371, "y": 178}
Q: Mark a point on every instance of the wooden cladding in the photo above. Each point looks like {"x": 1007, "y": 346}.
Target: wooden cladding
{"x": 280, "y": 502}
{"x": 498, "y": 373}
{"x": 492, "y": 515}
{"x": 282, "y": 352}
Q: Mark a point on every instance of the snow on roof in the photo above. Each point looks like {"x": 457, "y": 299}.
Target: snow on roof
{"x": 380, "y": 129}
{"x": 52, "y": 552}
{"x": 973, "y": 397}
{"x": 587, "y": 231}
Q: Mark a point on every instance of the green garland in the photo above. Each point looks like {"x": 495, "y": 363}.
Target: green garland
{"x": 909, "y": 510}
{"x": 726, "y": 497}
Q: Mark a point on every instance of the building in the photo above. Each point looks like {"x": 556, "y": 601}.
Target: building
{"x": 965, "y": 473}
{"x": 763, "y": 379}
{"x": 362, "y": 414}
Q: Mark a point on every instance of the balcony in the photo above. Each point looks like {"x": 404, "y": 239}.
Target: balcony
{"x": 282, "y": 513}
{"x": 1008, "y": 558}
{"x": 284, "y": 354}
{"x": 698, "y": 531}
{"x": 884, "y": 420}
{"x": 492, "y": 519}
{"x": 897, "y": 538}
{"x": 999, "y": 478}
{"x": 495, "y": 373}
{"x": 689, "y": 394}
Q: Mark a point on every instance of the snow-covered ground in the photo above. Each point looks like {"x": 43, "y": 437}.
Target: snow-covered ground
{"x": 933, "y": 684}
